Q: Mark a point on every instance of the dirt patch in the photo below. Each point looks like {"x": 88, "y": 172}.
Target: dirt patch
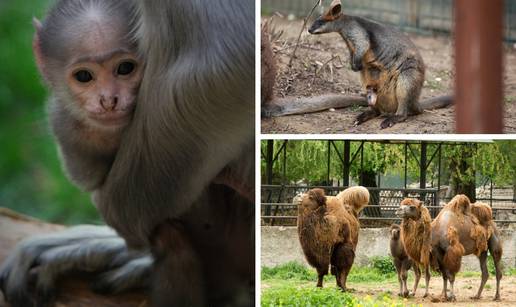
{"x": 322, "y": 67}
{"x": 465, "y": 287}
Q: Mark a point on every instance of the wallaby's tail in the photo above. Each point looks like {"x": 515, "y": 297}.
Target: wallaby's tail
{"x": 436, "y": 102}
{"x": 302, "y": 105}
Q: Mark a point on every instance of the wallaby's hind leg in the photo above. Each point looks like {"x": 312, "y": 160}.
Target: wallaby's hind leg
{"x": 408, "y": 89}
{"x": 365, "y": 116}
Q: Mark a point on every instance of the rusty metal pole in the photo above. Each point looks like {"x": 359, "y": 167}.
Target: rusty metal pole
{"x": 479, "y": 68}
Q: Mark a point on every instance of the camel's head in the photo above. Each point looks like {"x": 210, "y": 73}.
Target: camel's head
{"x": 311, "y": 200}
{"x": 355, "y": 197}
{"x": 395, "y": 231}
{"x": 410, "y": 208}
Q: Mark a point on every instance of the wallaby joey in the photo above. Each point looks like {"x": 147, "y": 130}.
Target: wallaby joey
{"x": 391, "y": 67}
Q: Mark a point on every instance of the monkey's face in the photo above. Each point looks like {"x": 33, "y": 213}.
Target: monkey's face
{"x": 104, "y": 86}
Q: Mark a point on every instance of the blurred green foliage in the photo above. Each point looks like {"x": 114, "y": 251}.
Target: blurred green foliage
{"x": 31, "y": 178}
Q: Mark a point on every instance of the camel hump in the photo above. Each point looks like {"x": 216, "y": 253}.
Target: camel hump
{"x": 318, "y": 196}
{"x": 483, "y": 212}
{"x": 459, "y": 204}
{"x": 356, "y": 197}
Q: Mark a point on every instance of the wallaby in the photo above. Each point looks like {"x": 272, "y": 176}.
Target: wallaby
{"x": 391, "y": 67}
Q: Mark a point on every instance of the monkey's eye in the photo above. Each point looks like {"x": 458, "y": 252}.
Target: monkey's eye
{"x": 83, "y": 76}
{"x": 125, "y": 68}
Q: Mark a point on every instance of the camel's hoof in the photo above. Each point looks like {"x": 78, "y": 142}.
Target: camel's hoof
{"x": 425, "y": 295}
{"x": 476, "y": 297}
{"x": 406, "y": 294}
{"x": 452, "y": 298}
{"x": 497, "y": 298}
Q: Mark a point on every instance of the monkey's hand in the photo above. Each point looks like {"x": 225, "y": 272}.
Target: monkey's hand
{"x": 29, "y": 275}
{"x": 356, "y": 63}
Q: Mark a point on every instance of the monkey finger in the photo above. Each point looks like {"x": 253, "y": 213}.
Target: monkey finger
{"x": 135, "y": 274}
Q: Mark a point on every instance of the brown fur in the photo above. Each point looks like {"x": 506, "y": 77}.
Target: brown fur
{"x": 463, "y": 209}
{"x": 402, "y": 262}
{"x": 416, "y": 233}
{"x": 454, "y": 253}
{"x": 326, "y": 227}
{"x": 459, "y": 204}
{"x": 355, "y": 197}
{"x": 269, "y": 68}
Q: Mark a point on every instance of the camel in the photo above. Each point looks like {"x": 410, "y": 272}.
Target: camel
{"x": 328, "y": 229}
{"x": 402, "y": 262}
{"x": 416, "y": 232}
{"x": 460, "y": 229}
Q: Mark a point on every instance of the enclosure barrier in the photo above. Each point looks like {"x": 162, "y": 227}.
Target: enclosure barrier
{"x": 420, "y": 16}
{"x": 277, "y": 207}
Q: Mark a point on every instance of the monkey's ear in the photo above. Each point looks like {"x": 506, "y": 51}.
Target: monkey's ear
{"x": 36, "y": 48}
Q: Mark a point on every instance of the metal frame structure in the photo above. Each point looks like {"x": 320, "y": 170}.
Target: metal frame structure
{"x": 274, "y": 196}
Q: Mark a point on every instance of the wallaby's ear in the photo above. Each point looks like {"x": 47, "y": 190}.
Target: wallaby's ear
{"x": 36, "y": 47}
{"x": 334, "y": 12}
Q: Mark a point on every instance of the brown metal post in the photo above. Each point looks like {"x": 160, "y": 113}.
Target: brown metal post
{"x": 479, "y": 70}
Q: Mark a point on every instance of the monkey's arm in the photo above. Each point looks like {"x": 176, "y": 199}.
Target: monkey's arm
{"x": 195, "y": 114}
{"x": 90, "y": 249}
{"x": 358, "y": 42}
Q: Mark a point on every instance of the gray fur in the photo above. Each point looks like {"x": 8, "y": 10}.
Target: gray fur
{"x": 196, "y": 113}
{"x": 47, "y": 257}
{"x": 85, "y": 163}
{"x": 194, "y": 119}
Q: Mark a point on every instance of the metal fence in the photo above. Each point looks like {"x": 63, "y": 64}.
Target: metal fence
{"x": 277, "y": 207}
{"x": 413, "y": 15}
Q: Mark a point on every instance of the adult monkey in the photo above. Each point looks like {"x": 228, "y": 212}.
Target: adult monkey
{"x": 183, "y": 176}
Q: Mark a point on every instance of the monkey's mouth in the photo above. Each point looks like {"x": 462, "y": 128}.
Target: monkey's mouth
{"x": 112, "y": 119}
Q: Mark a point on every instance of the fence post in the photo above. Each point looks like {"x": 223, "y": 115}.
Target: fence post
{"x": 478, "y": 57}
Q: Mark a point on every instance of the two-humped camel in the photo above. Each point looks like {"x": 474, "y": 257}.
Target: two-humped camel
{"x": 328, "y": 230}
{"x": 460, "y": 229}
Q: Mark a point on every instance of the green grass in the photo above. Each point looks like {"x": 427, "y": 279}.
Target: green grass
{"x": 31, "y": 177}
{"x": 293, "y": 284}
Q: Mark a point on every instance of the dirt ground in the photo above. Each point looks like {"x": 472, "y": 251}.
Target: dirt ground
{"x": 465, "y": 287}
{"x": 322, "y": 66}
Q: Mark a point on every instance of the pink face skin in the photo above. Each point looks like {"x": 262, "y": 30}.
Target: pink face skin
{"x": 371, "y": 96}
{"x": 105, "y": 85}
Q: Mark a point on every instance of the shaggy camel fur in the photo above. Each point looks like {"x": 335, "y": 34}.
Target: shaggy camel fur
{"x": 416, "y": 234}
{"x": 328, "y": 230}
{"x": 402, "y": 262}
{"x": 456, "y": 232}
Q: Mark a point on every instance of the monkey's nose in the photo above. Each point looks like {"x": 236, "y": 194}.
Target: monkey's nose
{"x": 108, "y": 103}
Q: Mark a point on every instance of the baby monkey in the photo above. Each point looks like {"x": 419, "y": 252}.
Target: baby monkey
{"x": 87, "y": 56}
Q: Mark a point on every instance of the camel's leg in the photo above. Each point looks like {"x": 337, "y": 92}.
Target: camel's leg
{"x": 485, "y": 274}
{"x": 495, "y": 248}
{"x": 320, "y": 275}
{"x": 343, "y": 257}
{"x": 427, "y": 280}
{"x": 336, "y": 272}
{"x": 404, "y": 275}
{"x": 400, "y": 281}
{"x": 444, "y": 295}
{"x": 417, "y": 275}
{"x": 451, "y": 278}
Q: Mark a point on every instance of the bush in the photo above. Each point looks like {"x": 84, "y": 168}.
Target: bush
{"x": 383, "y": 265}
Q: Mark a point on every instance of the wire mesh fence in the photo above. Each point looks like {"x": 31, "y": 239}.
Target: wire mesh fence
{"x": 277, "y": 207}
{"x": 414, "y": 15}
